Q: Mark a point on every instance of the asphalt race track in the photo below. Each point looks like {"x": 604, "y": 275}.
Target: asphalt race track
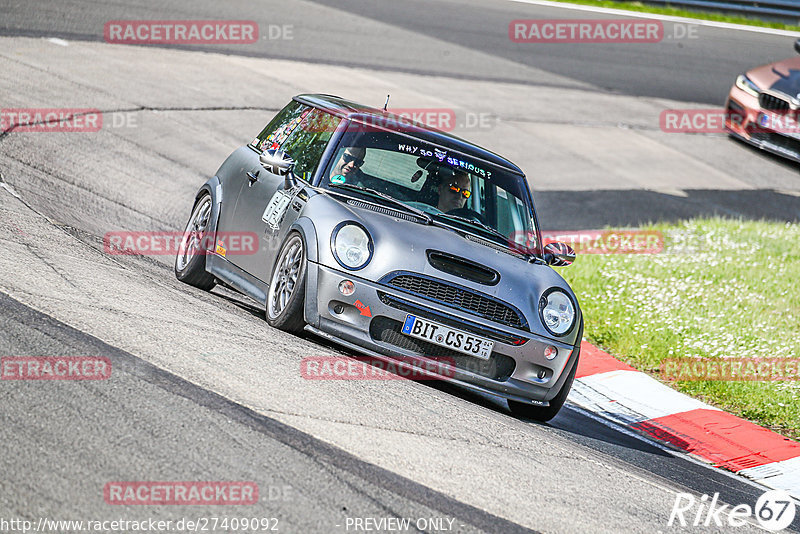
{"x": 203, "y": 389}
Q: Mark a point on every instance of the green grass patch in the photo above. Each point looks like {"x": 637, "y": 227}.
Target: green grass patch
{"x": 720, "y": 289}
{"x": 678, "y": 12}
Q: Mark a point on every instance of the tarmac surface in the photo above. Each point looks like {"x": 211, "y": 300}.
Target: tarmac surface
{"x": 202, "y": 388}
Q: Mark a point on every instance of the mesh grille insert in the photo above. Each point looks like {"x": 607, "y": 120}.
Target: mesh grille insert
{"x": 458, "y": 297}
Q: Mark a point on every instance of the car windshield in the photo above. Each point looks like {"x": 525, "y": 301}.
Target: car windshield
{"x": 453, "y": 188}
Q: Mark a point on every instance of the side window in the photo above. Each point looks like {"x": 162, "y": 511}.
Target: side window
{"x": 307, "y": 143}
{"x": 510, "y": 214}
{"x": 279, "y": 127}
{"x": 477, "y": 201}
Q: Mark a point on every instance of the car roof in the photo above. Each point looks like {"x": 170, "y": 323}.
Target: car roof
{"x": 360, "y": 113}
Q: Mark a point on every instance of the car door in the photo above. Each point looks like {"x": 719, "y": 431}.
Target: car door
{"x": 305, "y": 140}
{"x": 244, "y": 163}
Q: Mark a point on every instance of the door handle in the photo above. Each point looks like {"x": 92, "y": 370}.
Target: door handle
{"x": 253, "y": 177}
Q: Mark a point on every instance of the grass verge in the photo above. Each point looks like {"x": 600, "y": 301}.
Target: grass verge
{"x": 678, "y": 12}
{"x": 720, "y": 289}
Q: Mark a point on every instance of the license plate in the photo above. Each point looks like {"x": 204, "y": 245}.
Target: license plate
{"x": 276, "y": 208}
{"x": 444, "y": 336}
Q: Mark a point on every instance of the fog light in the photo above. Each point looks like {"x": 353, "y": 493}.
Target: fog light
{"x": 550, "y": 352}
{"x": 347, "y": 288}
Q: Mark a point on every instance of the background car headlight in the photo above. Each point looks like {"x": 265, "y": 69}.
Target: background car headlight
{"x": 557, "y": 312}
{"x": 351, "y": 245}
{"x": 746, "y": 84}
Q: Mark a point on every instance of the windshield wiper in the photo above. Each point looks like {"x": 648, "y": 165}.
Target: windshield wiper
{"x": 389, "y": 198}
{"x": 490, "y": 230}
{"x": 476, "y": 222}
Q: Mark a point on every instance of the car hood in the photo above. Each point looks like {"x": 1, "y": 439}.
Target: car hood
{"x": 401, "y": 245}
{"x": 782, "y": 76}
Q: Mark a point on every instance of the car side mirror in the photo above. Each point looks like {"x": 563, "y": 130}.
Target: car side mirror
{"x": 279, "y": 162}
{"x": 797, "y": 46}
{"x": 559, "y": 254}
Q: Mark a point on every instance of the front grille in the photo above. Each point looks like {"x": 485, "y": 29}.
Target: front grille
{"x": 460, "y": 298}
{"x": 772, "y": 102}
{"x": 385, "y": 330}
{"x": 779, "y": 143}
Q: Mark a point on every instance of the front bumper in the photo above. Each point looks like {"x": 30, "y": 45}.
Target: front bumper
{"x": 744, "y": 119}
{"x": 370, "y": 321}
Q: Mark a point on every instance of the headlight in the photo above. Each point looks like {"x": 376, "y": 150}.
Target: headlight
{"x": 351, "y": 245}
{"x": 745, "y": 84}
{"x": 557, "y": 311}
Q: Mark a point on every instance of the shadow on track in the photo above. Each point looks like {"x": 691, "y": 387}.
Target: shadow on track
{"x": 568, "y": 420}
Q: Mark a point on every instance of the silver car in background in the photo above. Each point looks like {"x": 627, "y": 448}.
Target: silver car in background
{"x": 395, "y": 240}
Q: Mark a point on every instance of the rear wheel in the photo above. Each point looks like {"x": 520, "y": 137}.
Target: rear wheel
{"x": 190, "y": 263}
{"x": 545, "y": 413}
{"x": 287, "y": 286}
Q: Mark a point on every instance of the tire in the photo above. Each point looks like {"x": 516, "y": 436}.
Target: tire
{"x": 190, "y": 262}
{"x": 545, "y": 413}
{"x": 287, "y": 286}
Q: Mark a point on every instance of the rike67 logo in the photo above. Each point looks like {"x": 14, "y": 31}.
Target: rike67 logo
{"x": 774, "y": 510}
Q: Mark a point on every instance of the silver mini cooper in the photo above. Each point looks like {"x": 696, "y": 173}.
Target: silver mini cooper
{"x": 398, "y": 241}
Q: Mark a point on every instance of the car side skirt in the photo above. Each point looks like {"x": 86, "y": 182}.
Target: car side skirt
{"x": 237, "y": 279}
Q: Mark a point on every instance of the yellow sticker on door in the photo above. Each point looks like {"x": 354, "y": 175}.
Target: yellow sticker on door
{"x": 221, "y": 248}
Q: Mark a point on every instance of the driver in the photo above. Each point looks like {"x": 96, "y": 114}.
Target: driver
{"x": 453, "y": 192}
{"x": 348, "y": 168}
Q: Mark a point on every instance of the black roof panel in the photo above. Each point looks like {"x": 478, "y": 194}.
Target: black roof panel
{"x": 368, "y": 115}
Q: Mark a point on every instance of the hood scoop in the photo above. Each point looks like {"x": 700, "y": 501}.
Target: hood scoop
{"x": 463, "y": 268}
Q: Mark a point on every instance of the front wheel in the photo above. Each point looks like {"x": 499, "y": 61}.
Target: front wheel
{"x": 287, "y": 286}
{"x": 190, "y": 263}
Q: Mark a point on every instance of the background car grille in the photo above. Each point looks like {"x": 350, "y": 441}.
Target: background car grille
{"x": 781, "y": 141}
{"x": 461, "y": 298}
{"x": 497, "y": 367}
{"x": 773, "y": 103}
